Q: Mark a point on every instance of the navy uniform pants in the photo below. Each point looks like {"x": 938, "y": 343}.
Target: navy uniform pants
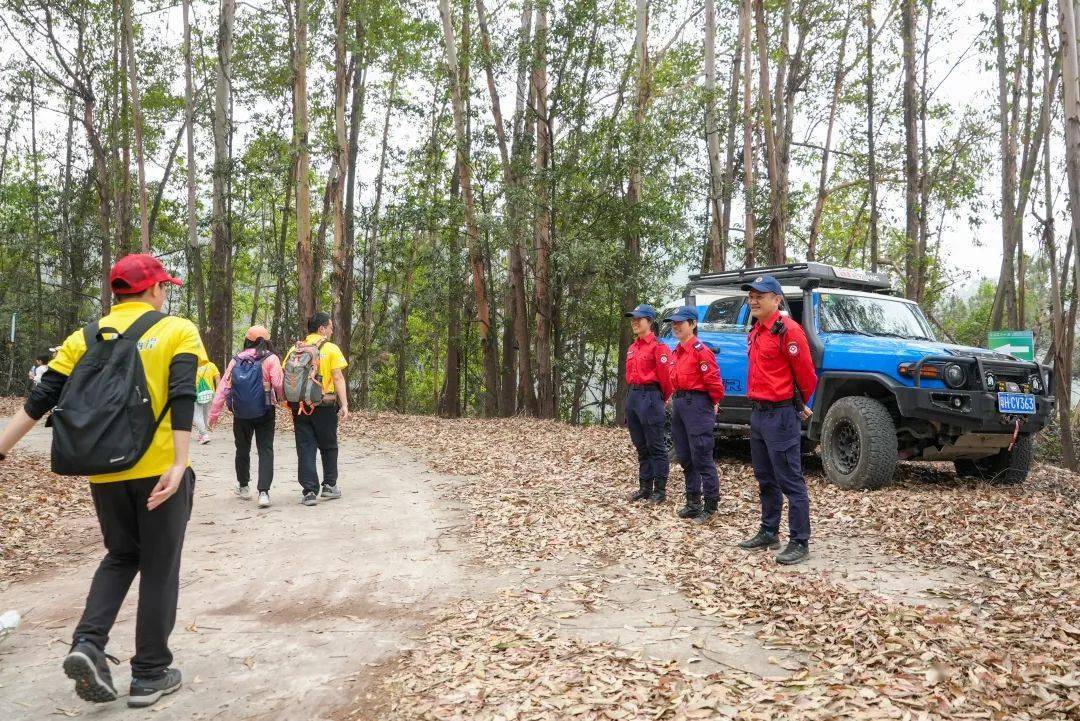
{"x": 693, "y": 423}
{"x": 775, "y": 451}
{"x": 645, "y": 417}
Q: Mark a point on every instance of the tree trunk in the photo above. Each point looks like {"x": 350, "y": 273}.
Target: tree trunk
{"x": 341, "y": 271}
{"x": 136, "y": 117}
{"x": 483, "y": 312}
{"x": 777, "y": 252}
{"x": 717, "y": 177}
{"x": 545, "y": 307}
{"x": 276, "y": 331}
{"x": 871, "y": 151}
{"x": 344, "y": 301}
{"x": 1071, "y": 102}
{"x": 718, "y": 262}
{"x": 632, "y": 241}
{"x": 512, "y": 181}
{"x": 823, "y": 175}
{"x": 371, "y": 250}
{"x": 192, "y": 220}
{"x": 304, "y": 260}
{"x": 749, "y": 260}
{"x": 401, "y": 391}
{"x": 220, "y": 280}
{"x": 912, "y": 261}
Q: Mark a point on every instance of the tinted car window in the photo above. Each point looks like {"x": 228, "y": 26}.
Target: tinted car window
{"x": 723, "y": 315}
{"x": 872, "y": 316}
{"x": 665, "y": 322}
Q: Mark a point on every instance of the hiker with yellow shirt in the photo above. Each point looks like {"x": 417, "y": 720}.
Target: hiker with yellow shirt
{"x": 123, "y": 417}
{"x": 314, "y": 386}
{"x": 206, "y": 384}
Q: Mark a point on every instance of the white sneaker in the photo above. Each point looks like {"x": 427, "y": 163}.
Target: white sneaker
{"x": 264, "y": 499}
{"x": 204, "y": 439}
{"x": 243, "y": 491}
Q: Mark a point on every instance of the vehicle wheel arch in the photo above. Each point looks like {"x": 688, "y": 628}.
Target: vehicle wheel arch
{"x": 832, "y": 386}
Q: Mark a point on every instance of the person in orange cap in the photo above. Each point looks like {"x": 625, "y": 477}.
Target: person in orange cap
{"x": 250, "y": 388}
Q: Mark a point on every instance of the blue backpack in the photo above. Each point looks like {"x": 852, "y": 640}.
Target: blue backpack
{"x": 247, "y": 391}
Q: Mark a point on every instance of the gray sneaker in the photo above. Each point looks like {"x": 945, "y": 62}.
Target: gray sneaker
{"x": 310, "y": 499}
{"x": 329, "y": 493}
{"x": 147, "y": 692}
{"x": 87, "y": 666}
{"x": 243, "y": 492}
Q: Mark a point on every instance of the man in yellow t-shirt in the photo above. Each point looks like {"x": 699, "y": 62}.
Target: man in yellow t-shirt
{"x": 317, "y": 430}
{"x": 143, "y": 511}
{"x": 206, "y": 382}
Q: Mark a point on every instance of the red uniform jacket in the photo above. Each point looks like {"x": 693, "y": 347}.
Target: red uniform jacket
{"x": 778, "y": 361}
{"x": 648, "y": 361}
{"x": 694, "y": 369}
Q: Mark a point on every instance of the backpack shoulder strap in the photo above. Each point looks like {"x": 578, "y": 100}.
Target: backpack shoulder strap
{"x": 90, "y": 334}
{"x": 143, "y": 323}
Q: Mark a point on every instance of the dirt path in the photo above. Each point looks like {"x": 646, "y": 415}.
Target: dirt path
{"x": 282, "y": 611}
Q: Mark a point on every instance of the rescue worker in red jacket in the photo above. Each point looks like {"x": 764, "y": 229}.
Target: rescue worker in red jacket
{"x": 695, "y": 379}
{"x": 647, "y": 362}
{"x": 780, "y": 378}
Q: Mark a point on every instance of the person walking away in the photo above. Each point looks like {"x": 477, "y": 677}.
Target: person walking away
{"x": 698, "y": 389}
{"x": 207, "y": 379}
{"x": 315, "y": 390}
{"x": 780, "y": 375}
{"x": 251, "y": 388}
{"x": 134, "y": 448}
{"x": 649, "y": 389}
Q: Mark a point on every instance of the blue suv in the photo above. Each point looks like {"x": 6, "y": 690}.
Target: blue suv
{"x": 888, "y": 390}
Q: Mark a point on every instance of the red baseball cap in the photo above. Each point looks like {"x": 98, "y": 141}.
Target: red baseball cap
{"x": 136, "y": 272}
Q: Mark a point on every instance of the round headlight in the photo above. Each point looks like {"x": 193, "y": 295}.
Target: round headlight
{"x": 991, "y": 382}
{"x": 954, "y": 376}
{"x": 1036, "y": 383}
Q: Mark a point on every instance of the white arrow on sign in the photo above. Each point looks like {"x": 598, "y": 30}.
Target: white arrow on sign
{"x": 1012, "y": 349}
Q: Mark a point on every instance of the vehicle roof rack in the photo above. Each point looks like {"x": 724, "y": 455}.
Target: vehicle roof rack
{"x": 829, "y": 276}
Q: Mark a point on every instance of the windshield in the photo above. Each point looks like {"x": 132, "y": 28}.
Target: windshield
{"x": 872, "y": 316}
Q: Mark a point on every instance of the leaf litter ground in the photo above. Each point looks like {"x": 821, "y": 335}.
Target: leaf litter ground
{"x": 1000, "y": 641}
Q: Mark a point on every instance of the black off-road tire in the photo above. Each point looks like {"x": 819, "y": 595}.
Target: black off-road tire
{"x": 1005, "y": 468}
{"x": 858, "y": 443}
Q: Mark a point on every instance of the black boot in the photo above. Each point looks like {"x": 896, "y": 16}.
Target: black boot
{"x": 692, "y": 507}
{"x": 707, "y": 511}
{"x": 642, "y": 493}
{"x": 659, "y": 491}
{"x": 795, "y": 552}
{"x": 763, "y": 539}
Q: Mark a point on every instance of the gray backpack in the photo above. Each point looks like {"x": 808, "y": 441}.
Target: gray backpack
{"x": 302, "y": 380}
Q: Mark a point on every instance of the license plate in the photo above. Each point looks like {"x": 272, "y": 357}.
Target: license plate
{"x": 1016, "y": 403}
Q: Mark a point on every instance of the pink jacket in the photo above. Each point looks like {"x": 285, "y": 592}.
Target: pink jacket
{"x": 272, "y": 376}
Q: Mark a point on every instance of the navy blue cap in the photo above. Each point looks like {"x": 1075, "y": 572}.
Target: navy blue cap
{"x": 642, "y": 311}
{"x": 764, "y": 284}
{"x": 687, "y": 312}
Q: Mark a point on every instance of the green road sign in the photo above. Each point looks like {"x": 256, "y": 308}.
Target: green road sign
{"x": 1020, "y": 343}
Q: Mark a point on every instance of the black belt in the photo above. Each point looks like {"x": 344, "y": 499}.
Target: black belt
{"x": 770, "y": 405}
{"x": 687, "y": 394}
{"x": 644, "y": 386}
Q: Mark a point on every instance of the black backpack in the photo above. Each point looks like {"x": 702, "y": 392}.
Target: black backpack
{"x": 104, "y": 421}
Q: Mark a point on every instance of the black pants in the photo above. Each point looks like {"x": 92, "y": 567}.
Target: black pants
{"x": 263, "y": 430}
{"x": 316, "y": 432}
{"x": 143, "y": 542}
